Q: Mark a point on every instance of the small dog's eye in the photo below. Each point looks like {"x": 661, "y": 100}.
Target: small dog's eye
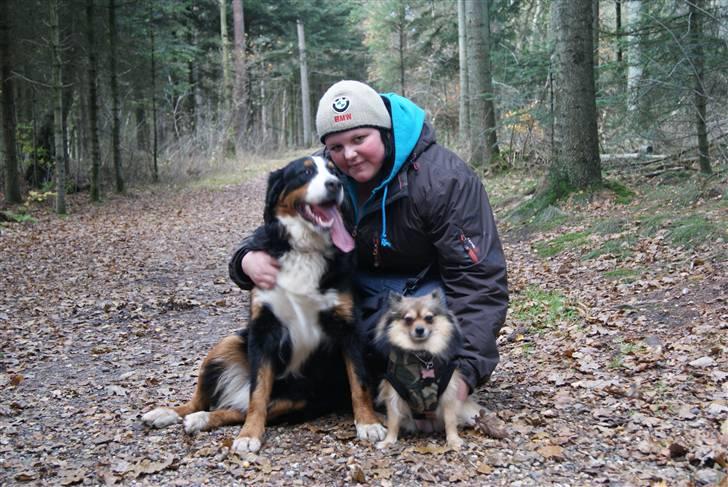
{"x": 309, "y": 171}
{"x": 428, "y": 319}
{"x": 409, "y": 320}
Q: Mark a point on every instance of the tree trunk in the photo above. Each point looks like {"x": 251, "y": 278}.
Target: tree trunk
{"x": 12, "y": 178}
{"x": 93, "y": 105}
{"x": 483, "y": 141}
{"x": 595, "y": 33}
{"x": 155, "y": 165}
{"x": 305, "y": 94}
{"x": 140, "y": 118}
{"x": 402, "y": 47}
{"x": 697, "y": 9}
{"x": 618, "y": 27}
{"x": 492, "y": 149}
{"x": 463, "y": 118}
{"x": 576, "y": 162}
{"x": 633, "y": 11}
{"x": 722, "y": 19}
{"x": 241, "y": 77}
{"x": 225, "y": 61}
{"x": 57, "y": 66}
{"x": 115, "y": 110}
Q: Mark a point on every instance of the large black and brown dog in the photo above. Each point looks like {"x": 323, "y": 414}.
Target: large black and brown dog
{"x": 301, "y": 342}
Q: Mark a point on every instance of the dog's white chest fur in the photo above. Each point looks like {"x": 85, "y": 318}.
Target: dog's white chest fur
{"x": 296, "y": 301}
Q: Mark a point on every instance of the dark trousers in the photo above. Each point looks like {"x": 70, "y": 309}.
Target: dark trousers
{"x": 372, "y": 292}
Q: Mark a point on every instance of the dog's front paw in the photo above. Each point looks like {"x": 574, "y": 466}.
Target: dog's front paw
{"x": 196, "y": 422}
{"x": 386, "y": 443}
{"x": 371, "y": 432}
{"x": 246, "y": 444}
{"x": 161, "y": 417}
{"x": 455, "y": 443}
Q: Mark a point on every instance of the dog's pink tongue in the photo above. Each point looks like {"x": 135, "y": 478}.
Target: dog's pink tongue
{"x": 339, "y": 236}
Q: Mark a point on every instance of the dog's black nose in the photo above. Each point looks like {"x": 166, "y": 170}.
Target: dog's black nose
{"x": 333, "y": 185}
{"x": 419, "y": 331}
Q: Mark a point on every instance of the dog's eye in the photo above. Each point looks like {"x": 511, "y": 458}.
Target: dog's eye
{"x": 409, "y": 320}
{"x": 308, "y": 171}
{"x": 428, "y": 319}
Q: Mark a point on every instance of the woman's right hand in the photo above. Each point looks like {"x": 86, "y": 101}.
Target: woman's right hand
{"x": 261, "y": 268}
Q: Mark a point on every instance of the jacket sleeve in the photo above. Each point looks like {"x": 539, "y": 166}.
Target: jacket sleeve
{"x": 254, "y": 241}
{"x": 471, "y": 263}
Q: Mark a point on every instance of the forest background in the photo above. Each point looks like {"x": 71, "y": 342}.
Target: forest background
{"x": 129, "y": 92}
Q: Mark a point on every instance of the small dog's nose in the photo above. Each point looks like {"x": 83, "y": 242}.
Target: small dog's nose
{"x": 333, "y": 185}
{"x": 420, "y": 331}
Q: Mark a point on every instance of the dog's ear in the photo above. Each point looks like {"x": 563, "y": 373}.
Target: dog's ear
{"x": 272, "y": 195}
{"x": 438, "y": 296}
{"x": 394, "y": 298}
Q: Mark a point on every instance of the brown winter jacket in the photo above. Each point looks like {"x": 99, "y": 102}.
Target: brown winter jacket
{"x": 437, "y": 212}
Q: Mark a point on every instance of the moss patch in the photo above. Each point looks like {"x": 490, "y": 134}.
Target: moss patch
{"x": 539, "y": 309}
{"x": 560, "y": 243}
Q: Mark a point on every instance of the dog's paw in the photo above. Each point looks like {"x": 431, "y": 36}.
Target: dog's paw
{"x": 371, "y": 432}
{"x": 384, "y": 444}
{"x": 455, "y": 443}
{"x": 161, "y": 417}
{"x": 196, "y": 422}
{"x": 246, "y": 444}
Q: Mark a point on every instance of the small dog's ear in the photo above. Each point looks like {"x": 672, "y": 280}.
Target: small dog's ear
{"x": 438, "y": 296}
{"x": 272, "y": 195}
{"x": 394, "y": 298}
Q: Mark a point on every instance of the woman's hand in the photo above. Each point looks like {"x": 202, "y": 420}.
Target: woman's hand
{"x": 261, "y": 268}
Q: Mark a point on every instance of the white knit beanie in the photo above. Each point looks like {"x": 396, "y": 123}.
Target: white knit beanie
{"x": 350, "y": 104}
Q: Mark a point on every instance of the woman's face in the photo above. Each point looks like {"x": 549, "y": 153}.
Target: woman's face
{"x": 359, "y": 153}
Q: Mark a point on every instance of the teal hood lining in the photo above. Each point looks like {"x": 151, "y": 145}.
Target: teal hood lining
{"x": 407, "y": 122}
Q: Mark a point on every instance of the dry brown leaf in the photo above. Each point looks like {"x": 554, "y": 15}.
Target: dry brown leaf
{"x": 26, "y": 476}
{"x": 357, "y": 474}
{"x": 71, "y": 477}
{"x": 16, "y": 379}
{"x": 484, "y": 468}
{"x": 490, "y": 425}
{"x": 148, "y": 466}
{"x": 430, "y": 449}
{"x": 552, "y": 452}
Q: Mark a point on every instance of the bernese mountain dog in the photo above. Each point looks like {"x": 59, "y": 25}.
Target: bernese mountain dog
{"x": 301, "y": 343}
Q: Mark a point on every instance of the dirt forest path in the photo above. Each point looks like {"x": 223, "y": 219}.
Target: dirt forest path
{"x": 109, "y": 311}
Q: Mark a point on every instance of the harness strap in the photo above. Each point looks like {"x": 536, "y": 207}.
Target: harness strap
{"x": 421, "y": 391}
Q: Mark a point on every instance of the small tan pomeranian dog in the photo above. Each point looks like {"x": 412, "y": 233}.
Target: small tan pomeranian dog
{"x": 421, "y": 338}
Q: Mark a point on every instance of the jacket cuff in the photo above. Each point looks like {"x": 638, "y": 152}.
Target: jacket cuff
{"x": 467, "y": 371}
{"x": 236, "y": 270}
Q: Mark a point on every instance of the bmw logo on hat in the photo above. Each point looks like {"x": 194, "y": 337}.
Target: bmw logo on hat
{"x": 341, "y": 104}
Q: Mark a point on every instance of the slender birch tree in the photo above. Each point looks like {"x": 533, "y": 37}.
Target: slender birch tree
{"x": 305, "y": 93}
{"x": 463, "y": 115}
{"x": 240, "y": 89}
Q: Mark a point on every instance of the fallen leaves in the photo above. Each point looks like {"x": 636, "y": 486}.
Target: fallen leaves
{"x": 629, "y": 389}
{"x": 552, "y": 452}
{"x": 490, "y": 425}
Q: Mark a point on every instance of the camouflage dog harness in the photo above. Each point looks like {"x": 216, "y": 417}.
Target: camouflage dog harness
{"x": 419, "y": 379}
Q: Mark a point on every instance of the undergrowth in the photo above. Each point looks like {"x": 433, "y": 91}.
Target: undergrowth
{"x": 685, "y": 212}
{"x": 539, "y": 309}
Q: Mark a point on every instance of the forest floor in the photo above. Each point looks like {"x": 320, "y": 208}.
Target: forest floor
{"x": 613, "y": 359}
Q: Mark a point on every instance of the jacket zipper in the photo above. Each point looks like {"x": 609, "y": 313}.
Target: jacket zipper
{"x": 469, "y": 247}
